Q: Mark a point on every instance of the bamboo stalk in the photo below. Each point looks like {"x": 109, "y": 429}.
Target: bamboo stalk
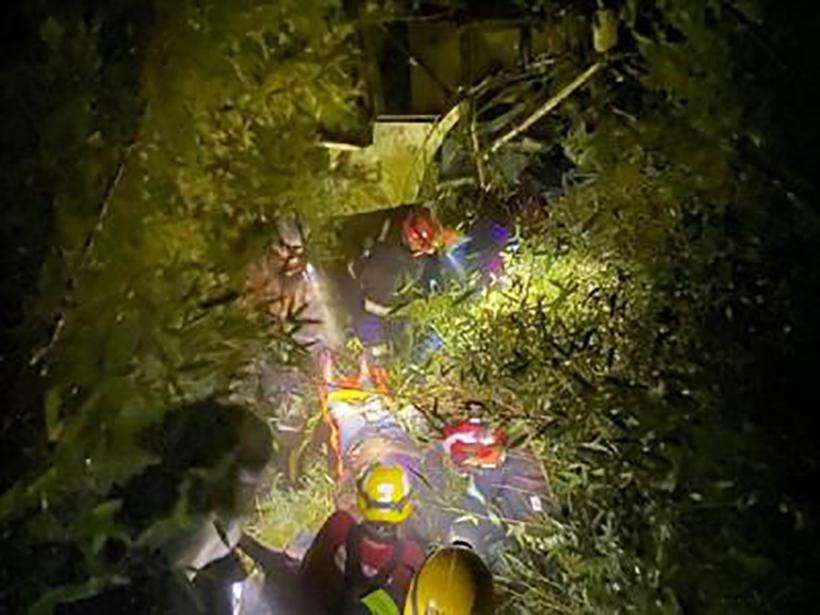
{"x": 85, "y": 258}
{"x": 548, "y": 106}
{"x": 482, "y": 176}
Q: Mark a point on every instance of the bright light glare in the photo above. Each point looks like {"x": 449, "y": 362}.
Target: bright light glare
{"x": 236, "y": 598}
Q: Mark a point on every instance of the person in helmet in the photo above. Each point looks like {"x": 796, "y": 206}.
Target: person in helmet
{"x": 404, "y": 258}
{"x": 502, "y": 485}
{"x": 354, "y": 566}
{"x": 423, "y": 234}
{"x": 452, "y": 581}
{"x": 276, "y": 282}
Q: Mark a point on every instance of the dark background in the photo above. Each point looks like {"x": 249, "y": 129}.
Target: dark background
{"x": 766, "y": 382}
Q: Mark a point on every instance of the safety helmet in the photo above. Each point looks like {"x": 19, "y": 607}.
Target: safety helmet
{"x": 383, "y": 494}
{"x": 421, "y": 232}
{"x": 475, "y": 443}
{"x": 452, "y": 581}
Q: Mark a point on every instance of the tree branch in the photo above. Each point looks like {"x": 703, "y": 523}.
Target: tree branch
{"x": 548, "y": 106}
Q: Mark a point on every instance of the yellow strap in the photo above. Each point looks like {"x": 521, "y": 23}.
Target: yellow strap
{"x": 379, "y": 602}
{"x": 348, "y": 395}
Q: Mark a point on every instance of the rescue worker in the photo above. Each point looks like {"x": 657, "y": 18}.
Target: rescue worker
{"x": 405, "y": 257}
{"x": 291, "y": 291}
{"x": 293, "y": 296}
{"x": 414, "y": 255}
{"x": 277, "y": 590}
{"x": 353, "y": 566}
{"x": 452, "y": 581}
{"x": 226, "y": 587}
{"x": 221, "y": 450}
{"x": 503, "y": 486}
{"x": 472, "y": 262}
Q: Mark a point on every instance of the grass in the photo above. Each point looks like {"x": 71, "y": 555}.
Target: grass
{"x": 282, "y": 512}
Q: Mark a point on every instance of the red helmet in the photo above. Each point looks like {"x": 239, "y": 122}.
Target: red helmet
{"x": 475, "y": 443}
{"x": 421, "y": 232}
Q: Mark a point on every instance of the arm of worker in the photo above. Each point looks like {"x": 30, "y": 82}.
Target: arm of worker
{"x": 318, "y": 563}
{"x": 272, "y": 562}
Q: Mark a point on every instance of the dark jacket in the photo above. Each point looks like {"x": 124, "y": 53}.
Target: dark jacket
{"x": 343, "y": 564}
{"x": 486, "y": 502}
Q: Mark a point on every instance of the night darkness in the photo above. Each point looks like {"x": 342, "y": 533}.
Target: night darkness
{"x": 203, "y": 201}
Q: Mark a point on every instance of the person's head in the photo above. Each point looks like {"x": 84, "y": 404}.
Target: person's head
{"x": 383, "y": 495}
{"x": 421, "y": 232}
{"x": 380, "y": 531}
{"x": 289, "y": 259}
{"x": 475, "y": 443}
{"x": 281, "y": 283}
{"x": 452, "y": 581}
{"x": 289, "y": 251}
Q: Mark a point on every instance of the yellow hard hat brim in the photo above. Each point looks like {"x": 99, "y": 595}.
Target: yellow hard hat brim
{"x": 384, "y": 515}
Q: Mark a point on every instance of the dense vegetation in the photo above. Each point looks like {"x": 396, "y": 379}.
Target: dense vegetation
{"x": 654, "y": 343}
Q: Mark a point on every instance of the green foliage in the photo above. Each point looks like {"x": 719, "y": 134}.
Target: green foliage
{"x": 165, "y": 182}
{"x": 283, "y": 512}
{"x": 650, "y": 344}
{"x": 641, "y": 338}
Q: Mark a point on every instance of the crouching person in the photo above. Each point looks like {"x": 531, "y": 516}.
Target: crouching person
{"x": 366, "y": 566}
{"x": 503, "y": 486}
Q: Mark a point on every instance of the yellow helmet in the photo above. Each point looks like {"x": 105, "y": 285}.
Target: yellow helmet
{"x": 452, "y": 581}
{"x": 383, "y": 494}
